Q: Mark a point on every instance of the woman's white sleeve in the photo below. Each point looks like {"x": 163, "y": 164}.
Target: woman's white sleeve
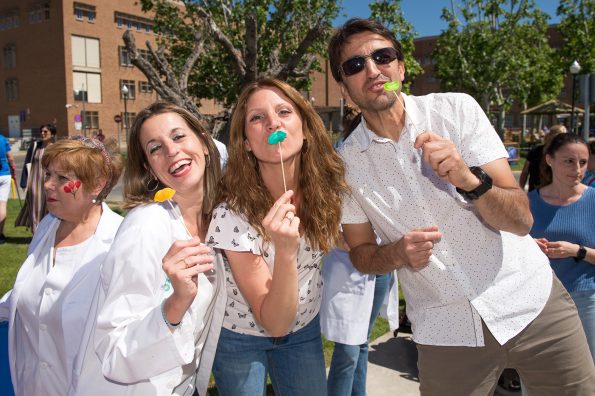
{"x": 132, "y": 339}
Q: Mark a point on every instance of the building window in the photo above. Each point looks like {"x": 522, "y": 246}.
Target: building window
{"x": 82, "y": 11}
{"x": 90, "y": 119}
{"x": 145, "y": 87}
{"x": 39, "y": 12}
{"x": 9, "y": 19}
{"x": 11, "y": 89}
{"x": 85, "y": 52}
{"x": 86, "y": 86}
{"x": 133, "y": 22}
{"x": 131, "y": 89}
{"x": 124, "y": 56}
{"x": 10, "y": 56}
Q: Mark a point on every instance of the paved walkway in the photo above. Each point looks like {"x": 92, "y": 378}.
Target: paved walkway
{"x": 392, "y": 366}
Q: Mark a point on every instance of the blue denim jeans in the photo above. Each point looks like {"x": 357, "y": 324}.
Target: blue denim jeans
{"x": 295, "y": 363}
{"x": 349, "y": 364}
{"x": 585, "y": 305}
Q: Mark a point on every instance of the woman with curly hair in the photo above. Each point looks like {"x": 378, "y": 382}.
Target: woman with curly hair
{"x": 272, "y": 241}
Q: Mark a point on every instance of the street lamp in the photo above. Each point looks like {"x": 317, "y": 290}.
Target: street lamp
{"x": 125, "y": 97}
{"x": 575, "y": 68}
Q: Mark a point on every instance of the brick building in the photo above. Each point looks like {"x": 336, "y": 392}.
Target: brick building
{"x": 64, "y": 63}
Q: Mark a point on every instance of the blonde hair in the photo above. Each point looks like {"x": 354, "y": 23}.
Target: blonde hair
{"x": 321, "y": 181}
{"x": 89, "y": 159}
{"x": 137, "y": 175}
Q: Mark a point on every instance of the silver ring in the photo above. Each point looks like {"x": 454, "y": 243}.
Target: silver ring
{"x": 289, "y": 216}
{"x": 186, "y": 264}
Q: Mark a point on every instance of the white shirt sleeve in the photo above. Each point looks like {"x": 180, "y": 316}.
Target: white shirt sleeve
{"x": 480, "y": 144}
{"x": 352, "y": 211}
{"x": 132, "y": 339}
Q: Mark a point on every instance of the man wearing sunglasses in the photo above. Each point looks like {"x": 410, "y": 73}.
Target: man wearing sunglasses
{"x": 430, "y": 176}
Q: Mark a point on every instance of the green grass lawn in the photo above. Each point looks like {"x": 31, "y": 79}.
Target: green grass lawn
{"x": 14, "y": 251}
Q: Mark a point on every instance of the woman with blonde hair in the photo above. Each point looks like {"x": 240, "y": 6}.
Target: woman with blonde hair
{"x": 159, "y": 305}
{"x": 272, "y": 226}
{"x": 50, "y": 302}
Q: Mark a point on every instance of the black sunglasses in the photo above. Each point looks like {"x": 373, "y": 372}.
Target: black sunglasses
{"x": 382, "y": 56}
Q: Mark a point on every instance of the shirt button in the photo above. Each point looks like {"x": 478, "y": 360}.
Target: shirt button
{"x": 43, "y": 365}
{"x": 48, "y": 291}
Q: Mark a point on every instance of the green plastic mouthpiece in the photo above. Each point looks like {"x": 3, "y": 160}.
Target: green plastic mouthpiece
{"x": 277, "y": 137}
{"x": 392, "y": 85}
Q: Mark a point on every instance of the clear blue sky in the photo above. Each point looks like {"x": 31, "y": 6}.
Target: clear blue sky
{"x": 424, "y": 15}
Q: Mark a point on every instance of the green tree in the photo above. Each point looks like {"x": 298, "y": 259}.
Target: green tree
{"x": 212, "y": 49}
{"x": 577, "y": 26}
{"x": 498, "y": 54}
{"x": 389, "y": 13}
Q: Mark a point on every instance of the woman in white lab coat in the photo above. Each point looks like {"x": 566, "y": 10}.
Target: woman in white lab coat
{"x": 50, "y": 301}
{"x": 160, "y": 309}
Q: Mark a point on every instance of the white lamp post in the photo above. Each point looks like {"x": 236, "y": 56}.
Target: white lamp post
{"x": 125, "y": 97}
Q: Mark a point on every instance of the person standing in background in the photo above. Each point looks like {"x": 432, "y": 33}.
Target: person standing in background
{"x": 7, "y": 171}
{"x": 564, "y": 213}
{"x": 32, "y": 179}
{"x": 531, "y": 170}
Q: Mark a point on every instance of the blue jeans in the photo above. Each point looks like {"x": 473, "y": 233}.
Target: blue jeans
{"x": 585, "y": 305}
{"x": 295, "y": 363}
{"x": 349, "y": 364}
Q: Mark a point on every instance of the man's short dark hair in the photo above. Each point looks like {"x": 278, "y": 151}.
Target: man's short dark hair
{"x": 355, "y": 26}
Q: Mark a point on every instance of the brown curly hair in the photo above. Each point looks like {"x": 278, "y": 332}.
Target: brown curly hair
{"x": 137, "y": 175}
{"x": 321, "y": 182}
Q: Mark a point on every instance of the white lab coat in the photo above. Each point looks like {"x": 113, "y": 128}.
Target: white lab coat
{"x": 76, "y": 298}
{"x": 134, "y": 351}
{"x": 347, "y": 298}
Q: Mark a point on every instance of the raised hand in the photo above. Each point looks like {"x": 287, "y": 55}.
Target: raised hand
{"x": 445, "y": 160}
{"x": 415, "y": 248}
{"x": 182, "y": 263}
{"x": 282, "y": 225}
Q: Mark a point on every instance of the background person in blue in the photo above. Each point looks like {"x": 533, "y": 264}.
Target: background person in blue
{"x": 7, "y": 171}
{"x": 564, "y": 225}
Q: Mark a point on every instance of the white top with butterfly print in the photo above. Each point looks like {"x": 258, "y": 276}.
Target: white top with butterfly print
{"x": 230, "y": 231}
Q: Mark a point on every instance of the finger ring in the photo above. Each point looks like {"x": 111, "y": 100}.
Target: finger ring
{"x": 185, "y": 263}
{"x": 289, "y": 216}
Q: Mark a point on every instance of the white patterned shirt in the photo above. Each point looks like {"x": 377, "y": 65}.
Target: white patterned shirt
{"x": 230, "y": 231}
{"x": 475, "y": 272}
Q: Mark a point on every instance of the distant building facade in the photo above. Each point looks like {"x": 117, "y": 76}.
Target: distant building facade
{"x": 64, "y": 62}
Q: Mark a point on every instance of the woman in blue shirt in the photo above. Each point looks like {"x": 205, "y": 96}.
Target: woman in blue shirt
{"x": 564, "y": 224}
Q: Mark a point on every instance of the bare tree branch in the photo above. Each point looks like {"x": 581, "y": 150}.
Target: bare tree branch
{"x": 292, "y": 62}
{"x": 239, "y": 64}
{"x": 251, "y": 48}
{"x": 169, "y": 89}
{"x": 197, "y": 50}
